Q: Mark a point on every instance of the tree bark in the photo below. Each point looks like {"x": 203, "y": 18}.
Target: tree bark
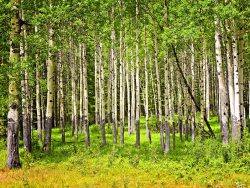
{"x": 148, "y": 136}
{"x": 229, "y": 70}
{"x": 236, "y": 128}
{"x": 222, "y": 87}
{"x": 25, "y": 93}
{"x": 102, "y": 95}
{"x": 13, "y": 160}
{"x": 85, "y": 98}
{"x": 193, "y": 114}
{"x": 61, "y": 98}
{"x": 121, "y": 77}
{"x": 50, "y": 94}
{"x": 137, "y": 121}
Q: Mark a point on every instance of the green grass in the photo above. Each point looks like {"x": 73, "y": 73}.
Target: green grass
{"x": 203, "y": 164}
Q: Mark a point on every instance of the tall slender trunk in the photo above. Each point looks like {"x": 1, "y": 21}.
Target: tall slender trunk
{"x": 203, "y": 86}
{"x": 102, "y": 96}
{"x": 114, "y": 93}
{"x": 85, "y": 98}
{"x": 222, "y": 87}
{"x": 121, "y": 76}
{"x": 153, "y": 88}
{"x": 25, "y": 93}
{"x": 81, "y": 89}
{"x": 128, "y": 77}
{"x": 229, "y": 69}
{"x": 157, "y": 71}
{"x": 193, "y": 91}
{"x": 186, "y": 97}
{"x": 207, "y": 88}
{"x": 166, "y": 104}
{"x": 50, "y": 94}
{"x": 61, "y": 97}
{"x": 38, "y": 97}
{"x": 137, "y": 118}
{"x": 13, "y": 160}
{"x": 241, "y": 80}
{"x": 179, "y": 106}
{"x": 146, "y": 87}
{"x": 172, "y": 103}
{"x": 97, "y": 101}
{"x": 236, "y": 128}
{"x": 73, "y": 96}
{"x": 132, "y": 95}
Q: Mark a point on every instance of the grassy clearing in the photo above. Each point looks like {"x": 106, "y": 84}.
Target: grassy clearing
{"x": 204, "y": 164}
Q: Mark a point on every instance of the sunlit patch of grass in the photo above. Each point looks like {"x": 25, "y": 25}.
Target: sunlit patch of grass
{"x": 203, "y": 164}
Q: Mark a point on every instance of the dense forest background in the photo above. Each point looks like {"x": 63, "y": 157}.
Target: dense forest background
{"x": 169, "y": 75}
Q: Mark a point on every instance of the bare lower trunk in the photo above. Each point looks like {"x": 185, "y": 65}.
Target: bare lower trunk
{"x": 122, "y": 118}
{"x": 81, "y": 89}
{"x": 13, "y": 160}
{"x": 50, "y": 96}
{"x": 137, "y": 122}
{"x": 193, "y": 114}
{"x": 236, "y": 128}
{"x": 114, "y": 85}
{"x": 180, "y": 107}
{"x": 222, "y": 87}
{"x": 167, "y": 95}
{"x": 85, "y": 99}
{"x": 61, "y": 97}
{"x": 229, "y": 70}
{"x": 132, "y": 95}
{"x": 158, "y": 91}
{"x": 128, "y": 94}
{"x": 148, "y": 136}
{"x": 102, "y": 96}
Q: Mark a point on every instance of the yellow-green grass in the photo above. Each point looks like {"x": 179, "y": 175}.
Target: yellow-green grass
{"x": 203, "y": 164}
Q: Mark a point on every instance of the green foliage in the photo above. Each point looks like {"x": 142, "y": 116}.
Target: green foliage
{"x": 206, "y": 163}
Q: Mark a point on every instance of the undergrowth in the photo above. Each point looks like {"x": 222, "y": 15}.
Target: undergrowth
{"x": 204, "y": 163}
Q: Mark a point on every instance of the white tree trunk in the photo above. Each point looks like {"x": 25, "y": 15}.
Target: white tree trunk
{"x": 222, "y": 87}
{"x": 236, "y": 128}
{"x": 137, "y": 122}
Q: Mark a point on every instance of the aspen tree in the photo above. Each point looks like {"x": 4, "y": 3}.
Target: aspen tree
{"x": 137, "y": 118}
{"x": 207, "y": 87}
{"x": 132, "y": 94}
{"x": 85, "y": 98}
{"x": 128, "y": 78}
{"x": 97, "y": 100}
{"x": 114, "y": 89}
{"x": 74, "y": 91}
{"x": 50, "y": 93}
{"x": 122, "y": 122}
{"x": 102, "y": 96}
{"x": 193, "y": 91}
{"x": 236, "y": 128}
{"x": 241, "y": 78}
{"x": 157, "y": 71}
{"x": 38, "y": 96}
{"x": 61, "y": 97}
{"x": 25, "y": 91}
{"x": 229, "y": 69}
{"x": 222, "y": 87}
{"x": 80, "y": 88}
{"x": 179, "y": 90}
{"x": 13, "y": 160}
{"x": 172, "y": 103}
{"x": 203, "y": 86}
{"x": 166, "y": 106}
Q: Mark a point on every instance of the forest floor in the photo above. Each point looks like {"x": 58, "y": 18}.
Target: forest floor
{"x": 203, "y": 164}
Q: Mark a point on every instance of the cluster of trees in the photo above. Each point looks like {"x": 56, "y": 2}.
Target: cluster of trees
{"x": 109, "y": 62}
